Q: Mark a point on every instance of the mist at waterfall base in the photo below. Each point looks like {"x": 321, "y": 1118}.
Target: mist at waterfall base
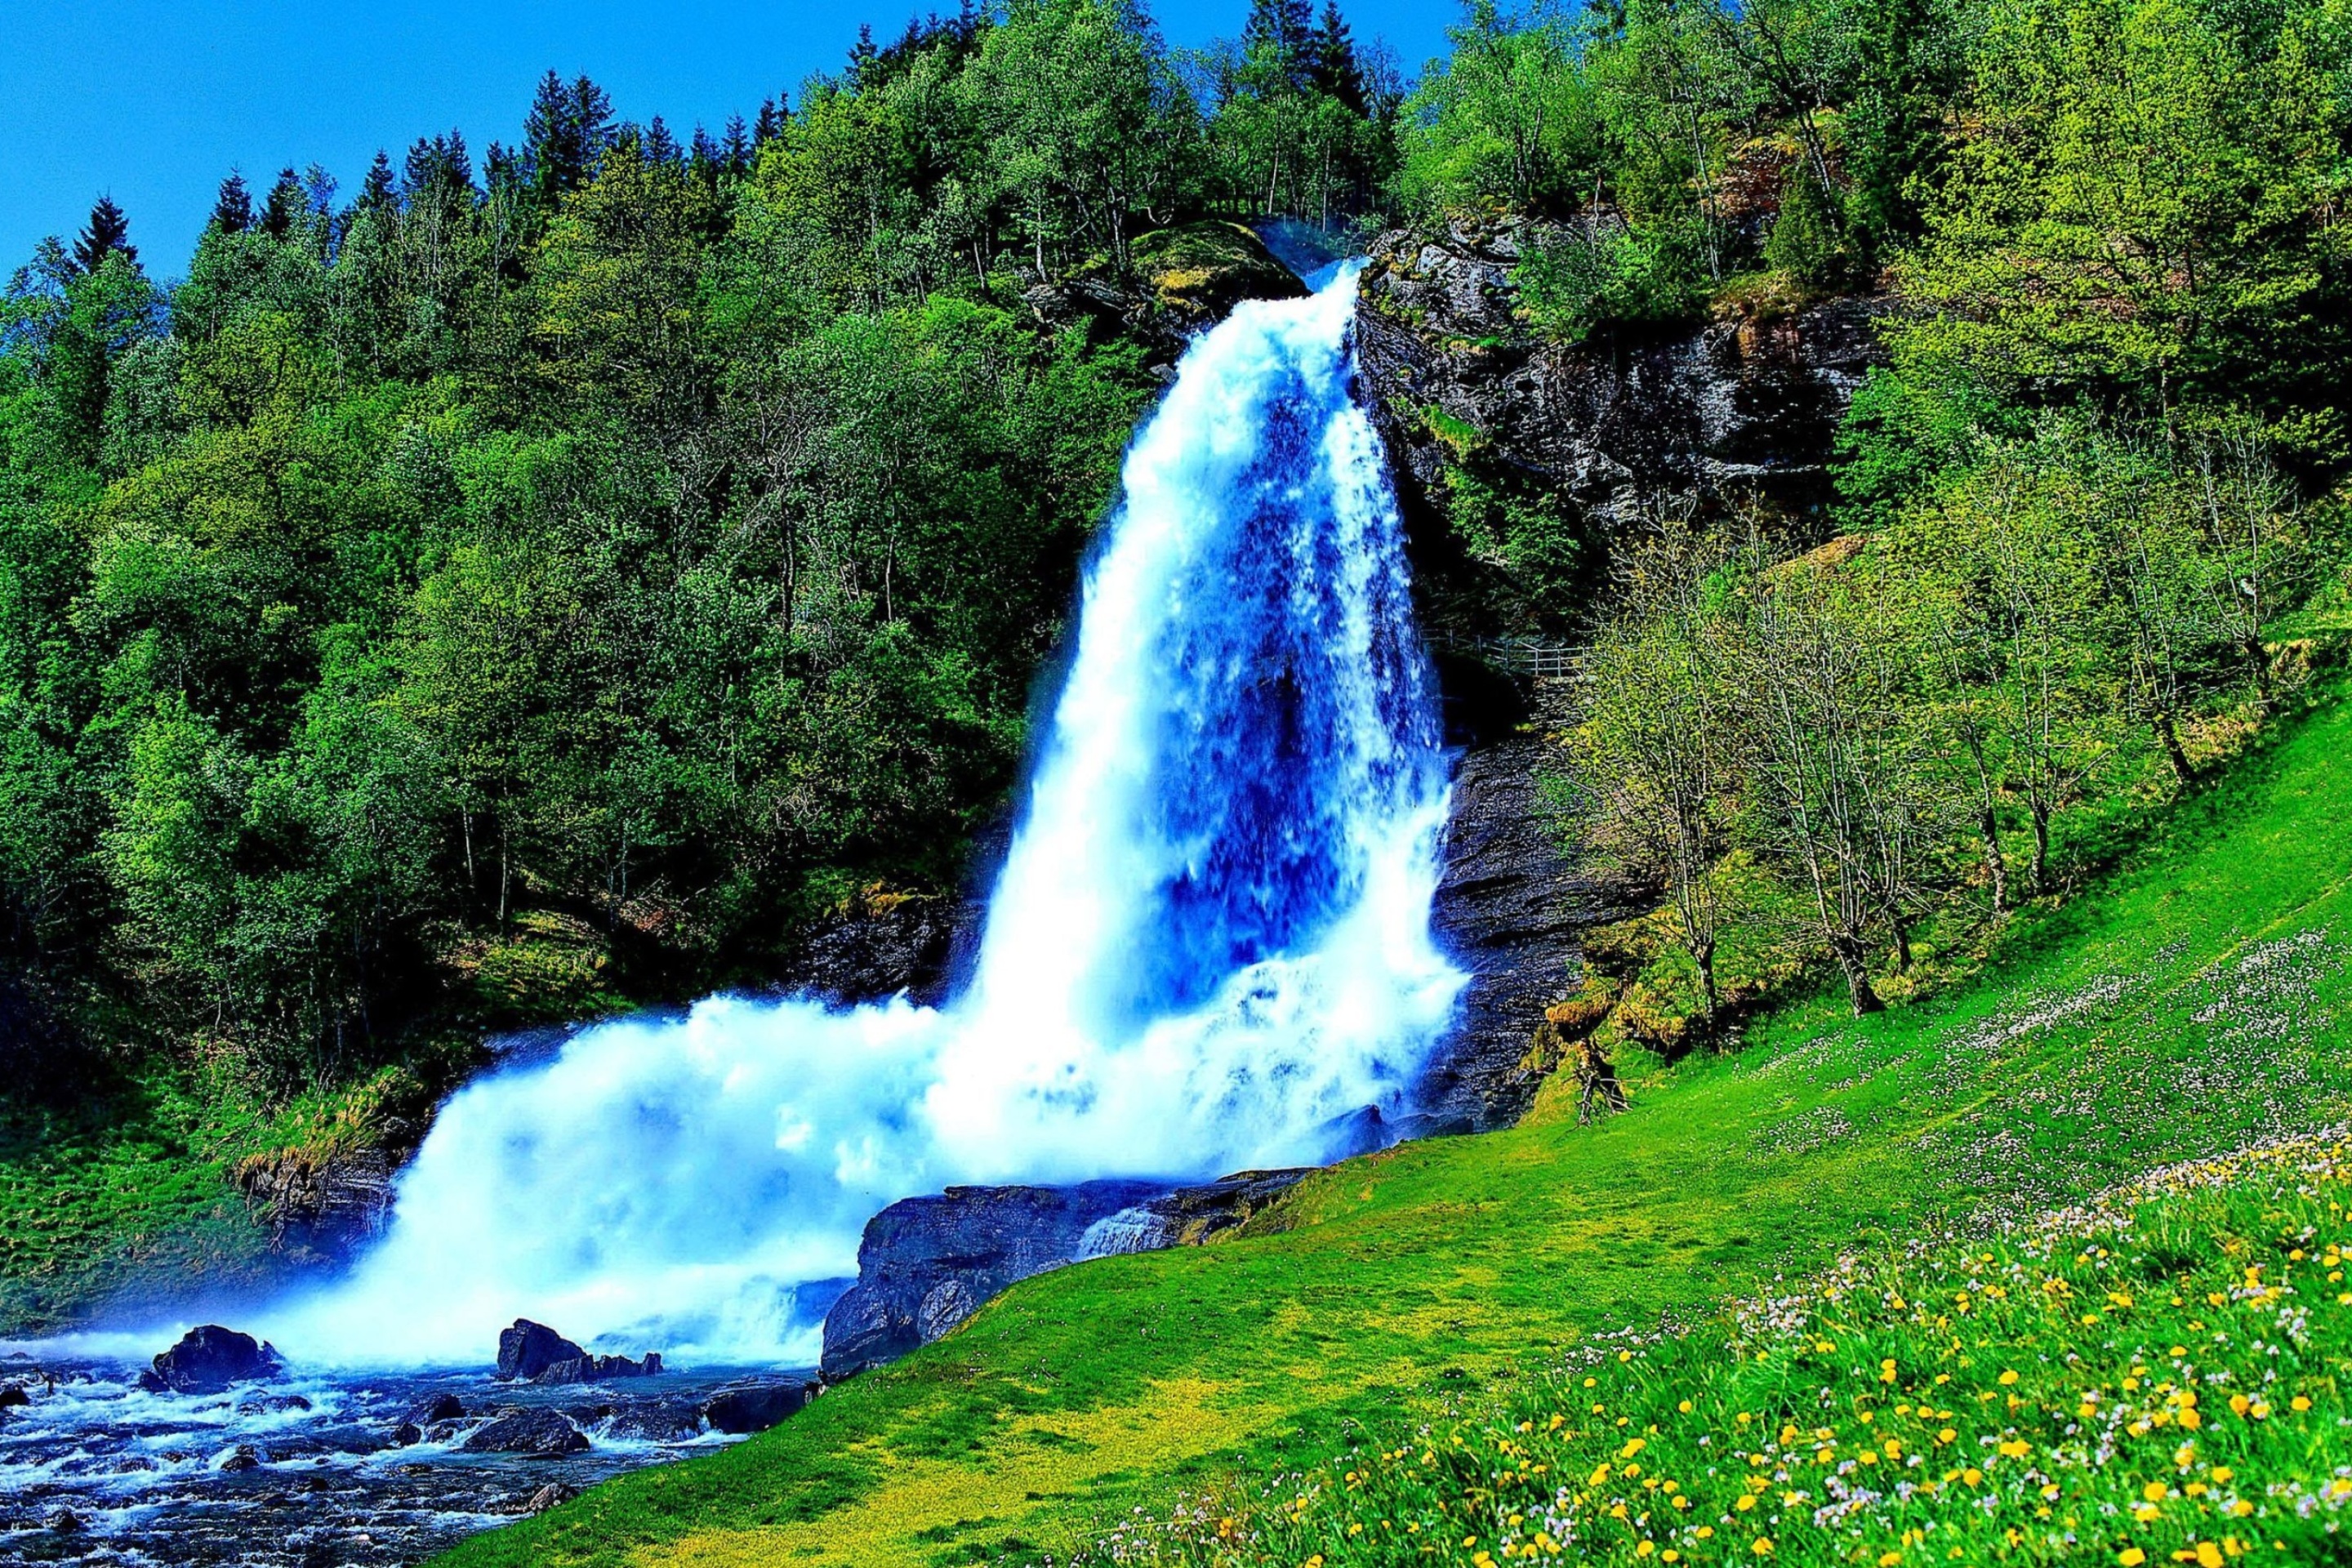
{"x": 1209, "y": 938}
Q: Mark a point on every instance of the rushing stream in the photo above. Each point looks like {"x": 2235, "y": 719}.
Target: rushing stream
{"x": 1209, "y": 943}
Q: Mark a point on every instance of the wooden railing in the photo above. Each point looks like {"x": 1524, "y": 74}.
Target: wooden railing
{"x": 1533, "y": 657}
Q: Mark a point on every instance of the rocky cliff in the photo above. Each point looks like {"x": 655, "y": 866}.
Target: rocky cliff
{"x": 1742, "y": 407}
{"x": 1746, "y": 404}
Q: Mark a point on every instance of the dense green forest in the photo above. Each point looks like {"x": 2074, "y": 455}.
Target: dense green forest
{"x": 539, "y": 582}
{"x": 518, "y": 587}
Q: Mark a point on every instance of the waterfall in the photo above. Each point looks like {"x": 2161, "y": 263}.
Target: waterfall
{"x": 1209, "y": 938}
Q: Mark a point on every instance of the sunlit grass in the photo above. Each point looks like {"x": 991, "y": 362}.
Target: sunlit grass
{"x": 2193, "y": 1003}
{"x": 2153, "y": 1377}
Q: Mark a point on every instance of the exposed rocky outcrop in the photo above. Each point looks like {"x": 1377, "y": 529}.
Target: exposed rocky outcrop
{"x": 1749, "y": 403}
{"x": 1511, "y": 909}
{"x": 926, "y": 1264}
{"x": 208, "y": 1359}
{"x": 1744, "y": 406}
{"x": 528, "y": 1348}
{"x": 323, "y": 1209}
{"x": 598, "y": 1368}
{"x": 878, "y": 947}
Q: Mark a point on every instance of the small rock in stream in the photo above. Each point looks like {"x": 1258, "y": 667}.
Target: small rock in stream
{"x": 542, "y": 1433}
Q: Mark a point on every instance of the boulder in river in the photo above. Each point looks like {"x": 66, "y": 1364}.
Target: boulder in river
{"x": 528, "y": 1348}
{"x": 755, "y": 1407}
{"x": 549, "y": 1495}
{"x": 657, "y": 1421}
{"x": 12, "y": 1395}
{"x": 208, "y": 1359}
{"x": 542, "y": 1434}
{"x": 598, "y": 1368}
{"x": 242, "y": 1456}
{"x": 442, "y": 1406}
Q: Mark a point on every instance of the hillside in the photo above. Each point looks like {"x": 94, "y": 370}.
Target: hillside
{"x": 2188, "y": 1005}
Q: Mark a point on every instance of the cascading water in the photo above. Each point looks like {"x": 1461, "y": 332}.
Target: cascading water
{"x": 1209, "y": 938}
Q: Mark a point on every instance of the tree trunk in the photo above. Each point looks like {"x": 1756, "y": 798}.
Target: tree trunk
{"x": 1866, "y": 1000}
{"x": 2170, "y": 737}
{"x": 1996, "y": 864}
{"x": 1901, "y": 945}
{"x": 2041, "y": 848}
{"x": 1702, "y": 955}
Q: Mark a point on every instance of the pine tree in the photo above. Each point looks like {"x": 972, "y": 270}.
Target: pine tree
{"x": 378, "y": 189}
{"x": 771, "y": 124}
{"x": 285, "y": 203}
{"x": 737, "y": 147}
{"x": 565, "y": 133}
{"x": 861, "y": 54}
{"x": 1332, "y": 52}
{"x": 661, "y": 147}
{"x": 438, "y": 166}
{"x": 107, "y": 232}
{"x": 232, "y": 207}
{"x": 1282, "y": 30}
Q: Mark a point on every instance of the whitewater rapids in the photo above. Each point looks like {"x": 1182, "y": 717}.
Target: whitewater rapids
{"x": 1210, "y": 937}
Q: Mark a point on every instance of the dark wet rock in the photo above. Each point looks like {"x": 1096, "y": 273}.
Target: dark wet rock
{"x": 544, "y": 1433}
{"x": 242, "y": 1456}
{"x": 880, "y": 945}
{"x": 408, "y": 1434}
{"x": 755, "y": 1407}
{"x": 438, "y": 1407}
{"x": 528, "y": 1348}
{"x": 1359, "y": 1131}
{"x": 926, "y": 1264}
{"x": 12, "y": 1395}
{"x": 272, "y": 1404}
{"x": 1744, "y": 407}
{"x": 1511, "y": 909}
{"x": 324, "y": 1212}
{"x": 655, "y": 1421}
{"x": 208, "y": 1359}
{"x": 598, "y": 1368}
{"x": 65, "y": 1521}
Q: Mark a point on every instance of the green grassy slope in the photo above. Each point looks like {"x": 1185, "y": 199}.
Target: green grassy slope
{"x": 2186, "y": 1006}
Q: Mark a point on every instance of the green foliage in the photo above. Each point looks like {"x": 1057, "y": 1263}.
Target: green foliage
{"x": 1600, "y": 278}
{"x": 1122, "y": 1410}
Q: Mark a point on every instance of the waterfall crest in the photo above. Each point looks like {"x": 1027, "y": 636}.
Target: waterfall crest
{"x": 1210, "y": 937}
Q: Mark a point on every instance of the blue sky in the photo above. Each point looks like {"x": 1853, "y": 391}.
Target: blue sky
{"x": 154, "y": 103}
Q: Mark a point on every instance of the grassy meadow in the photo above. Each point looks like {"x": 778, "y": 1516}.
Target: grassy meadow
{"x": 2189, "y": 1005}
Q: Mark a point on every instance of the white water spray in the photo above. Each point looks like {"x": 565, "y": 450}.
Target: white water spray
{"x": 1209, "y": 939}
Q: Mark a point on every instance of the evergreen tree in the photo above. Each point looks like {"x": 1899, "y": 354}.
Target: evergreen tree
{"x": 285, "y": 203}
{"x": 438, "y": 166}
{"x": 107, "y": 231}
{"x": 862, "y": 54}
{"x": 736, "y": 148}
{"x": 232, "y": 207}
{"x": 378, "y": 189}
{"x": 1283, "y": 31}
{"x": 566, "y": 132}
{"x": 661, "y": 147}
{"x": 773, "y": 113}
{"x": 1331, "y": 53}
